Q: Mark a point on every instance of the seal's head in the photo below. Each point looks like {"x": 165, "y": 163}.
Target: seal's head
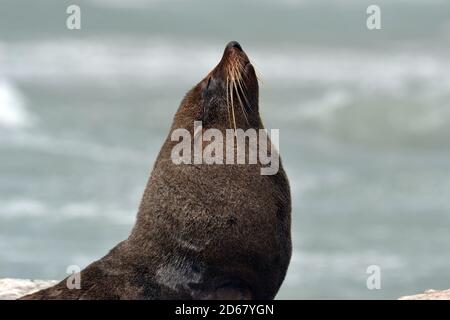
{"x": 228, "y": 96}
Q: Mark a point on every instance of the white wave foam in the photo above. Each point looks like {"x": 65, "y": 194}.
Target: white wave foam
{"x": 344, "y": 264}
{"x": 394, "y": 73}
{"x": 325, "y": 105}
{"x": 24, "y": 208}
{"x": 12, "y": 107}
{"x": 74, "y": 148}
{"x": 156, "y": 62}
{"x": 107, "y": 62}
{"x": 345, "y": 75}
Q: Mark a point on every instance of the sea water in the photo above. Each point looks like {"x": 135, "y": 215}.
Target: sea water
{"x": 364, "y": 120}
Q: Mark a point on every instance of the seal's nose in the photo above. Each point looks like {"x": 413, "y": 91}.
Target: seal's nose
{"x": 234, "y": 44}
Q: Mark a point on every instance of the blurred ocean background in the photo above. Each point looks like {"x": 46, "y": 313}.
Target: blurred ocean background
{"x": 364, "y": 119}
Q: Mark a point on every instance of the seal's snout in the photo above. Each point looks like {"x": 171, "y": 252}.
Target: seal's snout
{"x": 232, "y": 82}
{"x": 233, "y": 64}
{"x": 234, "y": 45}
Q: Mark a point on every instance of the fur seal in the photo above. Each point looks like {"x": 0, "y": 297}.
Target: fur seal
{"x": 202, "y": 231}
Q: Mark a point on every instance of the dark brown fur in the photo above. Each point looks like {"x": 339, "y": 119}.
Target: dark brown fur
{"x": 202, "y": 231}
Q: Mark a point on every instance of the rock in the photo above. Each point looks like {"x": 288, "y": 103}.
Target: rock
{"x": 11, "y": 289}
{"x": 430, "y": 294}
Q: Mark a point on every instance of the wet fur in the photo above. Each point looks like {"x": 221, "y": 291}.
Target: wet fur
{"x": 202, "y": 231}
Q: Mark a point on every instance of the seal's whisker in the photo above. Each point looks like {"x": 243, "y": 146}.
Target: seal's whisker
{"x": 243, "y": 82}
{"x": 240, "y": 102}
{"x": 240, "y": 83}
{"x": 228, "y": 102}
{"x": 232, "y": 109}
{"x": 235, "y": 85}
